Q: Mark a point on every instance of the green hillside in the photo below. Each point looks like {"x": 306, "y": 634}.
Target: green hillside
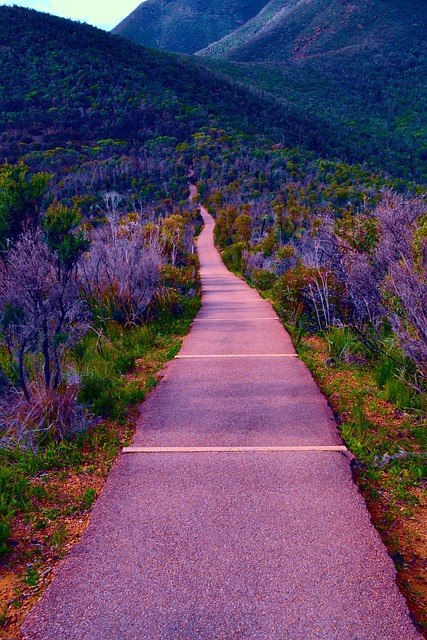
{"x": 185, "y": 26}
{"x": 64, "y": 83}
{"x": 380, "y": 111}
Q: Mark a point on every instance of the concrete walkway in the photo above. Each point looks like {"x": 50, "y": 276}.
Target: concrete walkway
{"x": 259, "y": 539}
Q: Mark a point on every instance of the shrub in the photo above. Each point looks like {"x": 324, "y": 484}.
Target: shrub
{"x": 289, "y": 292}
{"x": 180, "y": 278}
{"x": 50, "y": 416}
{"x": 121, "y": 272}
{"x": 232, "y": 256}
{"x": 103, "y": 358}
{"x": 170, "y": 302}
{"x": 263, "y": 279}
{"x": 339, "y": 339}
{"x": 41, "y": 312}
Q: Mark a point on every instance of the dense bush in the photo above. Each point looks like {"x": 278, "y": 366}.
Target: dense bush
{"x": 62, "y": 277}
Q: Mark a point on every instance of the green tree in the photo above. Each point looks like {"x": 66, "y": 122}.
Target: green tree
{"x": 243, "y": 227}
{"x": 21, "y": 199}
{"x": 173, "y": 233}
{"x": 64, "y": 237}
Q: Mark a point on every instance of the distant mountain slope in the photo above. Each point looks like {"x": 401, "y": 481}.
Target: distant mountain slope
{"x": 297, "y": 29}
{"x": 185, "y": 26}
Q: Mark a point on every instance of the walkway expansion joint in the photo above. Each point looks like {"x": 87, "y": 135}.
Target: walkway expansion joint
{"x": 239, "y": 355}
{"x": 267, "y": 449}
{"x": 234, "y": 319}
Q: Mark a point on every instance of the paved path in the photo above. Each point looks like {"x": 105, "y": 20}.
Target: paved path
{"x": 235, "y": 544}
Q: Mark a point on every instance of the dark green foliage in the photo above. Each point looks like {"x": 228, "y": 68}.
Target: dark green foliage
{"x": 399, "y": 394}
{"x": 63, "y": 236}
{"x": 4, "y": 534}
{"x": 339, "y": 341}
{"x": 263, "y": 279}
{"x": 21, "y": 198}
{"x": 232, "y": 256}
{"x": 105, "y": 357}
{"x": 106, "y": 398}
{"x": 18, "y": 468}
{"x": 386, "y": 369}
{"x": 89, "y": 497}
{"x": 375, "y": 108}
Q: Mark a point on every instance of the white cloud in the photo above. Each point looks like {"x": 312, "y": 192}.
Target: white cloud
{"x": 102, "y": 14}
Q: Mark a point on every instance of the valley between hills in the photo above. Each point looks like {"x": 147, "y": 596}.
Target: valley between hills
{"x": 302, "y": 128}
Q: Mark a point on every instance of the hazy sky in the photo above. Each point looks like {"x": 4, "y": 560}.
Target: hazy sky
{"x": 101, "y": 13}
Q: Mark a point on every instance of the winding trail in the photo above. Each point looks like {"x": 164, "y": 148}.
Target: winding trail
{"x": 233, "y": 515}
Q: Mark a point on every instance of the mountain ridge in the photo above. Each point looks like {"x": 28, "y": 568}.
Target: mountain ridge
{"x": 251, "y": 29}
{"x": 298, "y": 29}
{"x": 277, "y": 30}
{"x": 185, "y": 26}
